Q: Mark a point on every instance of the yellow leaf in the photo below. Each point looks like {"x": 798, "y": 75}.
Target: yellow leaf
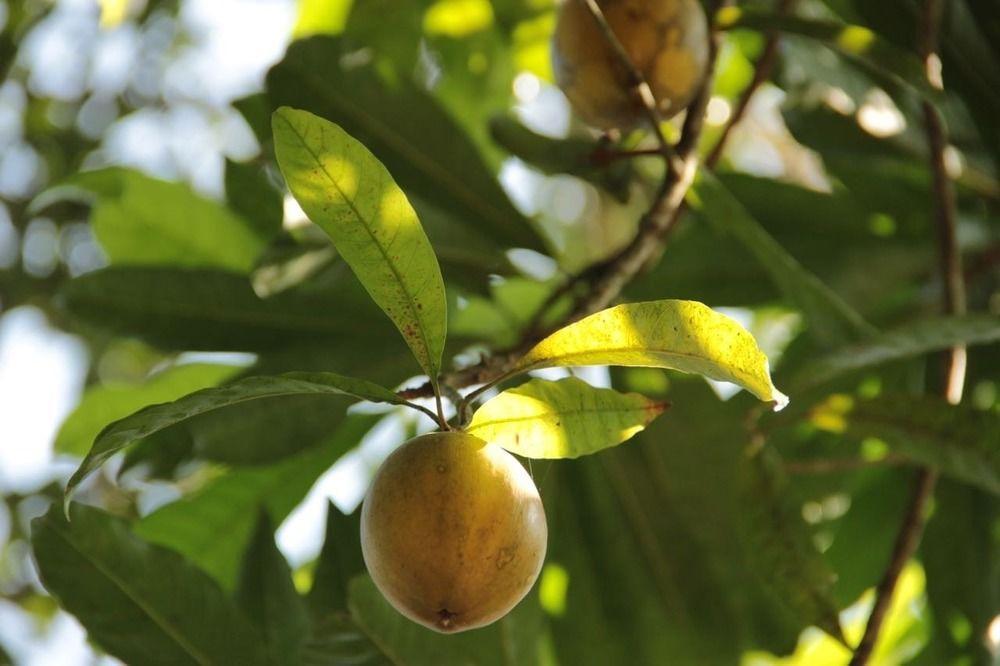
{"x": 563, "y": 419}
{"x": 680, "y": 335}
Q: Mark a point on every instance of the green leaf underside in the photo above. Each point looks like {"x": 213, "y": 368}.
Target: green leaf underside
{"x": 960, "y": 441}
{"x": 101, "y": 405}
{"x": 348, "y": 193}
{"x": 908, "y": 341}
{"x": 563, "y": 419}
{"x": 154, "y": 418}
{"x": 679, "y": 335}
{"x": 142, "y": 603}
{"x": 830, "y": 318}
{"x": 268, "y": 596}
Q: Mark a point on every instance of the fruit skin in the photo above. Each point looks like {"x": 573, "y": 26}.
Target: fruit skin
{"x": 453, "y": 531}
{"x": 667, "y": 40}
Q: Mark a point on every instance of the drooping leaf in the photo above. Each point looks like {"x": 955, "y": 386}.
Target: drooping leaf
{"x": 339, "y": 561}
{"x": 139, "y": 220}
{"x": 121, "y": 433}
{"x": 422, "y": 146}
{"x": 101, "y": 405}
{"x": 962, "y": 561}
{"x": 142, "y": 603}
{"x": 680, "y": 335}
{"x": 218, "y": 311}
{"x": 212, "y": 526}
{"x": 831, "y": 320}
{"x": 513, "y": 639}
{"x": 915, "y": 339}
{"x": 671, "y": 545}
{"x": 347, "y": 192}
{"x": 267, "y": 594}
{"x": 960, "y": 441}
{"x": 563, "y": 419}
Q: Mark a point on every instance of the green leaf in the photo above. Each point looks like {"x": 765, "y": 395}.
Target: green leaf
{"x": 830, "y": 319}
{"x": 680, "y": 335}
{"x": 855, "y": 42}
{"x": 217, "y": 311}
{"x": 145, "y": 422}
{"x": 564, "y": 419}
{"x": 142, "y": 603}
{"x": 267, "y": 594}
{"x": 347, "y": 192}
{"x": 251, "y": 194}
{"x": 103, "y": 404}
{"x": 422, "y": 146}
{"x": 914, "y": 339}
{"x": 140, "y": 220}
{"x": 339, "y": 561}
{"x": 511, "y": 640}
{"x": 212, "y": 526}
{"x": 961, "y": 441}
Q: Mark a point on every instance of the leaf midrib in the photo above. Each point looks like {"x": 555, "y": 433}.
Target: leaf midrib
{"x": 151, "y": 613}
{"x": 409, "y": 300}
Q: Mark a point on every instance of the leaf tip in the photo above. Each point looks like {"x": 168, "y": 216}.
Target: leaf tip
{"x": 778, "y": 400}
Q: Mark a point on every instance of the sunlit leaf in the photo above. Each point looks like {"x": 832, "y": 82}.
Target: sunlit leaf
{"x": 680, "y": 335}
{"x": 563, "y": 419}
{"x": 145, "y": 422}
{"x": 139, "y": 220}
{"x": 268, "y": 596}
{"x": 143, "y": 604}
{"x": 347, "y": 192}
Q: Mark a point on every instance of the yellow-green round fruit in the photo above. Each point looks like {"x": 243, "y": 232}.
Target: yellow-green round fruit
{"x": 453, "y": 531}
{"x": 666, "y": 40}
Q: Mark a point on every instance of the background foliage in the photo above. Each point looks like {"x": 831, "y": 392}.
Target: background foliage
{"x": 698, "y": 541}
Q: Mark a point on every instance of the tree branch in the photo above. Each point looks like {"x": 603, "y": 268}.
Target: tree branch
{"x": 950, "y": 261}
{"x": 761, "y": 73}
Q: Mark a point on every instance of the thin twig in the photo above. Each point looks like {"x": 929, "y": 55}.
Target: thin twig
{"x": 761, "y": 74}
{"x": 953, "y": 299}
{"x": 608, "y": 278}
{"x": 836, "y": 465}
{"x": 636, "y": 81}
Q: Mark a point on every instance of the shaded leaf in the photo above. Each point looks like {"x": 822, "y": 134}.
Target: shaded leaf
{"x": 347, "y": 192}
{"x": 339, "y": 561}
{"x": 422, "y": 146}
{"x": 218, "y": 311}
{"x": 830, "y": 319}
{"x": 147, "y": 421}
{"x": 563, "y": 419}
{"x": 251, "y": 194}
{"x": 960, "y": 441}
{"x": 100, "y": 405}
{"x": 140, "y": 220}
{"x": 141, "y": 603}
{"x": 915, "y": 339}
{"x": 212, "y": 526}
{"x": 680, "y": 335}
{"x": 267, "y": 594}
